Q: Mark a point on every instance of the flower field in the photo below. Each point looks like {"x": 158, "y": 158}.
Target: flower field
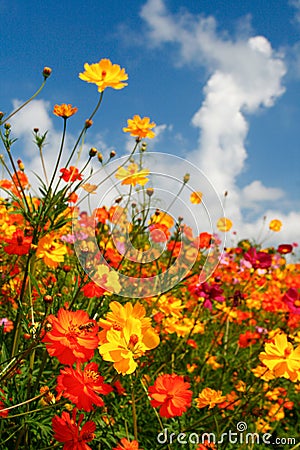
{"x": 122, "y": 326}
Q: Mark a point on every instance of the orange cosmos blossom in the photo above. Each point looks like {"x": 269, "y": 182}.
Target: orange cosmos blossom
{"x": 126, "y": 344}
{"x": 72, "y": 434}
{"x": 83, "y": 387}
{"x": 124, "y": 444}
{"x": 140, "y": 127}
{"x": 224, "y": 224}
{"x": 132, "y": 175}
{"x": 209, "y": 397}
{"x": 281, "y": 358}
{"x": 171, "y": 394}
{"x": 65, "y": 111}
{"x": 196, "y": 197}
{"x": 50, "y": 251}
{"x": 104, "y": 74}
{"x": 73, "y": 336}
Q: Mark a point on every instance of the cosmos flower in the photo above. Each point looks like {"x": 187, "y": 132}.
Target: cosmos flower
{"x": 132, "y": 175}
{"x": 50, "y": 251}
{"x": 18, "y": 244}
{"x": 224, "y": 224}
{"x": 209, "y": 397}
{"x": 171, "y": 394}
{"x": 140, "y": 127}
{"x": 72, "y": 434}
{"x": 83, "y": 387}
{"x": 292, "y": 299}
{"x": 64, "y": 111}
{"x": 71, "y": 174}
{"x": 258, "y": 259}
{"x": 124, "y": 444}
{"x": 104, "y": 74}
{"x": 275, "y": 225}
{"x": 196, "y": 197}
{"x": 73, "y": 336}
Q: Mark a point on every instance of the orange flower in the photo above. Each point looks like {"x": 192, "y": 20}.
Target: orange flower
{"x": 224, "y": 224}
{"x": 132, "y": 175}
{"x": 196, "y": 197}
{"x": 83, "y": 387}
{"x": 281, "y": 358}
{"x": 71, "y": 174}
{"x": 171, "y": 394}
{"x": 73, "y": 336}
{"x": 64, "y": 111}
{"x": 71, "y": 433}
{"x": 140, "y": 127}
{"x": 124, "y": 444}
{"x": 104, "y": 74}
{"x": 275, "y": 225}
{"x": 20, "y": 180}
{"x": 209, "y": 397}
{"x": 50, "y": 251}
{"x": 18, "y": 244}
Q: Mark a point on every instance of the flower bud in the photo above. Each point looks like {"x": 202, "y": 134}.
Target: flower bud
{"x": 186, "y": 178}
{"x": 100, "y": 157}
{"x": 21, "y": 165}
{"x": 143, "y": 147}
{"x": 47, "y": 72}
{"x": 66, "y": 268}
{"x": 93, "y": 152}
{"x": 88, "y": 123}
{"x": 1, "y": 115}
{"x": 36, "y": 130}
{"x": 7, "y": 126}
{"x": 112, "y": 154}
{"x": 48, "y": 299}
{"x": 149, "y": 192}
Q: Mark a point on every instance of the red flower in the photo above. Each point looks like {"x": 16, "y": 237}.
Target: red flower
{"x": 292, "y": 299}
{"x": 248, "y": 338}
{"x": 171, "y": 394}
{"x": 92, "y": 289}
{"x": 18, "y": 244}
{"x": 73, "y": 336}
{"x": 283, "y": 249}
{"x": 71, "y": 434}
{"x": 258, "y": 260}
{"x": 71, "y": 174}
{"x": 124, "y": 444}
{"x": 82, "y": 387}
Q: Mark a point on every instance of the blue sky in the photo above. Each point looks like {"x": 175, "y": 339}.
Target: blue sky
{"x": 220, "y": 79}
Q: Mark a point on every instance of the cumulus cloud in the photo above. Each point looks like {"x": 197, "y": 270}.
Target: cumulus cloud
{"x": 244, "y": 75}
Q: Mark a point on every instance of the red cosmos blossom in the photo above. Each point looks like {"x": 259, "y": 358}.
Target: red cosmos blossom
{"x": 92, "y": 289}
{"x": 209, "y": 292}
{"x": 73, "y": 336}
{"x": 124, "y": 444}
{"x": 71, "y": 174}
{"x": 18, "y": 244}
{"x": 283, "y": 249}
{"x": 258, "y": 260}
{"x": 82, "y": 387}
{"x": 248, "y": 338}
{"x": 292, "y": 299}
{"x": 171, "y": 394}
{"x": 71, "y": 433}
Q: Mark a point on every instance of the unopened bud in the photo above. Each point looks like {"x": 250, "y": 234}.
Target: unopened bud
{"x": 1, "y": 115}
{"x": 112, "y": 154}
{"x": 36, "y": 130}
{"x": 149, "y": 192}
{"x": 21, "y": 165}
{"x": 186, "y": 178}
{"x": 47, "y": 72}
{"x": 144, "y": 147}
{"x": 66, "y": 268}
{"x": 225, "y": 193}
{"x": 93, "y": 152}
{"x": 119, "y": 199}
{"x": 100, "y": 157}
{"x": 48, "y": 299}
{"x": 88, "y": 123}
{"x": 7, "y": 126}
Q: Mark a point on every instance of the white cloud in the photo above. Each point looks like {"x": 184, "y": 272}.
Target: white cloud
{"x": 245, "y": 75}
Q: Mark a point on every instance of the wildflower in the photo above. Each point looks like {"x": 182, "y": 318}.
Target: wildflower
{"x": 204, "y": 240}
{"x": 50, "y": 251}
{"x": 132, "y": 175}
{"x": 280, "y": 357}
{"x": 283, "y": 249}
{"x": 258, "y": 259}
{"x": 71, "y": 174}
{"x": 162, "y": 218}
{"x": 292, "y": 299}
{"x": 72, "y": 434}
{"x": 20, "y": 180}
{"x": 18, "y": 244}
{"x": 248, "y": 338}
{"x": 83, "y": 387}
{"x": 159, "y": 232}
{"x": 140, "y": 127}
{"x": 7, "y": 325}
{"x": 196, "y": 197}
{"x": 47, "y": 72}
{"x": 275, "y": 225}
{"x": 224, "y": 224}
{"x": 90, "y": 188}
{"x": 107, "y": 279}
{"x": 209, "y": 397}
{"x": 124, "y": 345}
{"x": 64, "y": 111}
{"x": 104, "y": 74}
{"x": 73, "y": 336}
{"x": 208, "y": 292}
{"x": 124, "y": 444}
{"x": 171, "y": 394}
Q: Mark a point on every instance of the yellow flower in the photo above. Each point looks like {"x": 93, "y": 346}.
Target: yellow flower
{"x": 196, "y": 197}
{"x": 64, "y": 110}
{"x": 209, "y": 397}
{"x": 104, "y": 74}
{"x": 264, "y": 373}
{"x": 140, "y": 127}
{"x": 108, "y": 279}
{"x": 162, "y": 218}
{"x": 275, "y": 225}
{"x": 124, "y": 345}
{"x": 50, "y": 251}
{"x": 132, "y": 176}
{"x": 90, "y": 188}
{"x": 224, "y": 224}
{"x": 281, "y": 358}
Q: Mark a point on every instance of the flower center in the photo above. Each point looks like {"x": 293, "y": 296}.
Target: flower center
{"x": 103, "y": 74}
{"x": 92, "y": 375}
{"x": 133, "y": 341}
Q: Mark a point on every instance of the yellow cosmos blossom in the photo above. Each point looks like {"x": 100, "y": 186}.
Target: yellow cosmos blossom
{"x": 162, "y": 218}
{"x": 132, "y": 175}
{"x": 124, "y": 345}
{"x": 140, "y": 127}
{"x": 170, "y": 306}
{"x": 281, "y": 358}
{"x": 224, "y": 224}
{"x": 104, "y": 74}
{"x": 275, "y": 225}
{"x": 196, "y": 197}
{"x": 50, "y": 251}
{"x": 263, "y": 372}
{"x": 108, "y": 279}
{"x": 209, "y": 397}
